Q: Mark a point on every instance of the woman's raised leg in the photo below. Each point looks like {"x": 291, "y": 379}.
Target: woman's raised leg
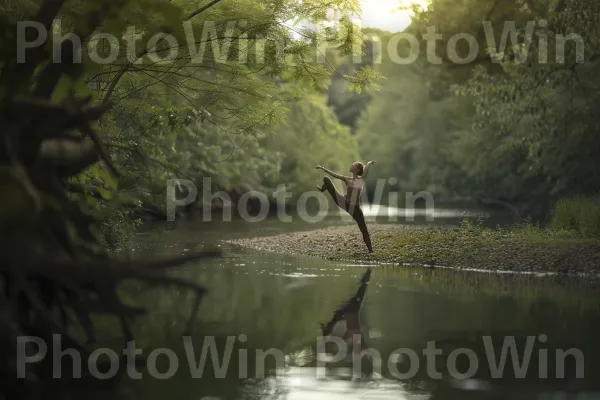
{"x": 337, "y": 197}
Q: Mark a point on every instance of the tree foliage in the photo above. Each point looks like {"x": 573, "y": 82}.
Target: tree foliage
{"x": 192, "y": 89}
{"x": 535, "y": 120}
{"x": 85, "y": 143}
{"x": 514, "y": 126}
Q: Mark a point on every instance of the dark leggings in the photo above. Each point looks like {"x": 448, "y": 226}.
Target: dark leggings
{"x": 352, "y": 209}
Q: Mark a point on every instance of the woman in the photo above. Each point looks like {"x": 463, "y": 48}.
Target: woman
{"x": 351, "y": 202}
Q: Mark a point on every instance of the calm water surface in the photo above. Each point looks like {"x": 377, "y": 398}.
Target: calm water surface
{"x": 283, "y": 303}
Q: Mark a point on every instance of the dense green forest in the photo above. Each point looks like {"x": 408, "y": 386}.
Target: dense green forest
{"x": 514, "y": 128}
{"x": 259, "y": 110}
{"x": 243, "y": 102}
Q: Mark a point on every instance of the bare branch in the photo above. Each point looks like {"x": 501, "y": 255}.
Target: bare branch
{"x": 202, "y": 9}
{"x": 86, "y": 130}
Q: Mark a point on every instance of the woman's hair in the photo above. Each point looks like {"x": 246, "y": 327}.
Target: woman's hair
{"x": 359, "y": 166}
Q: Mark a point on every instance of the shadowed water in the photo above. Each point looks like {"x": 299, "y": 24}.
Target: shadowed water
{"x": 286, "y": 303}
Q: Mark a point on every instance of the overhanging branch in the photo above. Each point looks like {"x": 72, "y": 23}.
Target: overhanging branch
{"x": 202, "y": 9}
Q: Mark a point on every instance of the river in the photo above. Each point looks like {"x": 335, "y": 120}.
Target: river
{"x": 256, "y": 302}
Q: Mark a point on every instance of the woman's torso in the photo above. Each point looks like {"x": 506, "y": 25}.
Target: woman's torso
{"x": 354, "y": 190}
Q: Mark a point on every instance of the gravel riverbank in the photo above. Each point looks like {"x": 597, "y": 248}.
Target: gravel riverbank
{"x": 518, "y": 250}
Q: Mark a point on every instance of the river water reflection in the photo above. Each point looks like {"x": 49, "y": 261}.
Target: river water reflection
{"x": 286, "y": 303}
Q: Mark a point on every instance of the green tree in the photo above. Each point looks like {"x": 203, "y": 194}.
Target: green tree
{"x": 71, "y": 130}
{"x": 311, "y": 136}
{"x": 183, "y": 110}
{"x": 534, "y": 123}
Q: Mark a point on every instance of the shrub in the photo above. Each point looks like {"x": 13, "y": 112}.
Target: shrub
{"x": 580, "y": 214}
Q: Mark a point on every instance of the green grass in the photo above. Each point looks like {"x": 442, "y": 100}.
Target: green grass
{"x": 526, "y": 247}
{"x": 579, "y": 214}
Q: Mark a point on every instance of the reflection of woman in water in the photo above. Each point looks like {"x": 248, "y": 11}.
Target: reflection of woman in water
{"x": 351, "y": 202}
{"x": 349, "y": 312}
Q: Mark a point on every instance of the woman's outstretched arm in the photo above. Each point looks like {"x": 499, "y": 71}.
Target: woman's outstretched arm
{"x": 333, "y": 174}
{"x": 366, "y": 170}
